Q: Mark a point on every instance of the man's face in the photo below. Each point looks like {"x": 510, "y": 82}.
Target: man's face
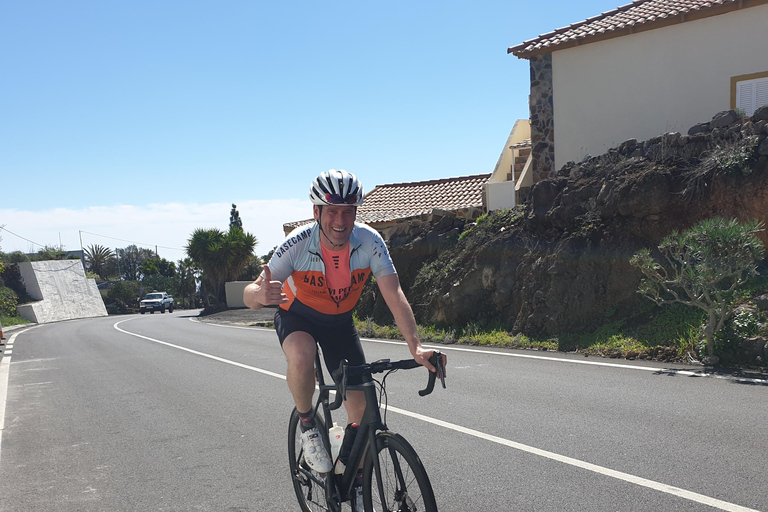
{"x": 337, "y": 223}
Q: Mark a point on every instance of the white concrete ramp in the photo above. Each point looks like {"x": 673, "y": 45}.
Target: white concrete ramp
{"x": 62, "y": 290}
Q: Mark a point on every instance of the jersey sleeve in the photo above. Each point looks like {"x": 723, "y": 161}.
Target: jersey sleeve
{"x": 381, "y": 262}
{"x": 284, "y": 259}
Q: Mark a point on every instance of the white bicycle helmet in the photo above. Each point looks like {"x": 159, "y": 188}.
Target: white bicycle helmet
{"x": 336, "y": 188}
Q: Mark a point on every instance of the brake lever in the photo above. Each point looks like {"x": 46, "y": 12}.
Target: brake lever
{"x": 440, "y": 367}
{"x": 437, "y": 362}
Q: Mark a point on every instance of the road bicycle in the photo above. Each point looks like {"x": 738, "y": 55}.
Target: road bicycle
{"x": 394, "y": 479}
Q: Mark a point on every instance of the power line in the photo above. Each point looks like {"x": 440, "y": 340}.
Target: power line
{"x": 3, "y": 228}
{"x": 132, "y": 242}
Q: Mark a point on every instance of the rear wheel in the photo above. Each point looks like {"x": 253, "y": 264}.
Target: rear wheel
{"x": 309, "y": 485}
{"x": 404, "y": 479}
{"x": 170, "y": 308}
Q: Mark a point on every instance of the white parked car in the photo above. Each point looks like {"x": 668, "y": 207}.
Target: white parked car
{"x": 156, "y": 301}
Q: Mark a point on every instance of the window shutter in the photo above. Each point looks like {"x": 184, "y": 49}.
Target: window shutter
{"x": 761, "y": 93}
{"x": 751, "y": 94}
{"x": 745, "y": 93}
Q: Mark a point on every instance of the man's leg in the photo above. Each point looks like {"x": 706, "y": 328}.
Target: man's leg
{"x": 355, "y": 406}
{"x": 300, "y": 349}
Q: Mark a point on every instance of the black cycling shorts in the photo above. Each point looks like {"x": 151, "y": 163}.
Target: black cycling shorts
{"x": 337, "y": 340}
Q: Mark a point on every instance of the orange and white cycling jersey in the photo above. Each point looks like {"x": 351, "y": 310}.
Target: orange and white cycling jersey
{"x": 298, "y": 263}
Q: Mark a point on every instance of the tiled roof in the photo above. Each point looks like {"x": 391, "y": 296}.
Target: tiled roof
{"x": 639, "y": 15}
{"x": 404, "y": 200}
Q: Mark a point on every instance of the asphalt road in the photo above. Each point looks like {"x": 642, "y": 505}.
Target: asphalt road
{"x": 162, "y": 412}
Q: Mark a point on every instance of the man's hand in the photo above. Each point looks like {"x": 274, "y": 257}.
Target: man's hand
{"x": 422, "y": 355}
{"x": 271, "y": 292}
{"x": 264, "y": 291}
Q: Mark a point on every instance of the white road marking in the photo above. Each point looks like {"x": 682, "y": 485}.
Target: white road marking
{"x": 626, "y": 477}
{"x": 449, "y": 348}
{"x": 203, "y": 354}
{"x": 655, "y": 369}
{"x": 5, "y": 365}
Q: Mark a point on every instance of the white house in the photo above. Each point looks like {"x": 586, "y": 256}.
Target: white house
{"x": 640, "y": 70}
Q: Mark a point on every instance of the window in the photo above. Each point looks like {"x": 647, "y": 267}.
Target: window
{"x": 748, "y": 92}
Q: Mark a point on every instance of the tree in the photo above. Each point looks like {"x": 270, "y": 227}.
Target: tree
{"x": 706, "y": 265}
{"x": 159, "y": 274}
{"x": 251, "y": 271}
{"x": 97, "y": 259}
{"x": 130, "y": 260}
{"x": 234, "y": 218}
{"x": 123, "y": 296}
{"x": 220, "y": 255}
{"x": 49, "y": 252}
{"x": 206, "y": 248}
{"x": 158, "y": 266}
{"x": 16, "y": 257}
{"x": 186, "y": 282}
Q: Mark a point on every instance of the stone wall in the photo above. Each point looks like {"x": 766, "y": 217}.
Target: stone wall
{"x": 560, "y": 264}
{"x": 726, "y": 129}
{"x": 62, "y": 290}
{"x": 542, "y": 118}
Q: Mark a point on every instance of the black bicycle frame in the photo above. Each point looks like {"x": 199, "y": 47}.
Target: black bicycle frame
{"x": 365, "y": 436}
{"x": 365, "y": 440}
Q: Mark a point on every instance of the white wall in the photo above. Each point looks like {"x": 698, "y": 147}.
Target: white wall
{"x": 500, "y": 196}
{"x": 520, "y": 132}
{"x": 234, "y": 292}
{"x": 62, "y": 290}
{"x": 645, "y": 84}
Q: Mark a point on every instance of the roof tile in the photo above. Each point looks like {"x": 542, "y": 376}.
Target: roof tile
{"x": 404, "y": 200}
{"x": 639, "y": 12}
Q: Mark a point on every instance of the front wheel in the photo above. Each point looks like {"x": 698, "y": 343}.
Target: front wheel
{"x": 405, "y": 484}
{"x": 309, "y": 485}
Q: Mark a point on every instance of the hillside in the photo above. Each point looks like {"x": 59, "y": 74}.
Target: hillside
{"x": 560, "y": 264}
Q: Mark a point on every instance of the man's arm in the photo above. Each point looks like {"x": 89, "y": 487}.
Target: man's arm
{"x": 264, "y": 291}
{"x": 401, "y": 310}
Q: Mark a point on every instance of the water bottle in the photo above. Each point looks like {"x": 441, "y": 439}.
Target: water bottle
{"x": 346, "y": 447}
{"x": 336, "y": 434}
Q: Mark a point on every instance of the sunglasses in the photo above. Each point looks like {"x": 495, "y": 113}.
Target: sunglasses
{"x": 337, "y": 199}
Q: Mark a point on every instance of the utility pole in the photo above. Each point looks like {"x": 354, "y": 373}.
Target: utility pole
{"x": 82, "y": 251}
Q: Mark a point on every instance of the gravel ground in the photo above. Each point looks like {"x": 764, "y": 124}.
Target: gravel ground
{"x": 241, "y": 316}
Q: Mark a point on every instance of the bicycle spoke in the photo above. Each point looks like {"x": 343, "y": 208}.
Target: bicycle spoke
{"x": 404, "y": 481}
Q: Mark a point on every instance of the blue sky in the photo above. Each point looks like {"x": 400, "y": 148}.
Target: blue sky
{"x": 143, "y": 120}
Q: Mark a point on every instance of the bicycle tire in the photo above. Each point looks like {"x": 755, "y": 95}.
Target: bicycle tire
{"x": 406, "y": 484}
{"x": 310, "y": 493}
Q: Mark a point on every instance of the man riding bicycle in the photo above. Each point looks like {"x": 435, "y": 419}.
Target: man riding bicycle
{"x": 316, "y": 277}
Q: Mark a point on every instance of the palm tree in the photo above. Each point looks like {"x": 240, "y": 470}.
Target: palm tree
{"x": 185, "y": 279}
{"x": 97, "y": 257}
{"x": 220, "y": 255}
{"x": 240, "y": 247}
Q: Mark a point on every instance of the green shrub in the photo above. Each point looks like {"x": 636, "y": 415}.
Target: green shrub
{"x": 122, "y": 297}
{"x": 8, "y": 301}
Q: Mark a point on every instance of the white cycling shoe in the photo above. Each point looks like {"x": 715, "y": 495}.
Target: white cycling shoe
{"x": 315, "y": 454}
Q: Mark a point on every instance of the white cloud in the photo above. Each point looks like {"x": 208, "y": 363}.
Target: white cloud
{"x": 167, "y": 226}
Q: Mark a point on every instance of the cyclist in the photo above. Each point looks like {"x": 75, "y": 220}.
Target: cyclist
{"x": 316, "y": 277}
